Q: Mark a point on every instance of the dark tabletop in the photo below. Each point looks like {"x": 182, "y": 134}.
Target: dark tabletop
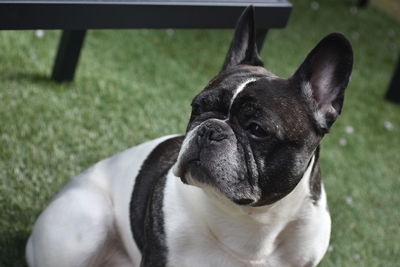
{"x": 117, "y": 14}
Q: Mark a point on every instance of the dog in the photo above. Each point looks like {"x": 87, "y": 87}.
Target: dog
{"x": 242, "y": 187}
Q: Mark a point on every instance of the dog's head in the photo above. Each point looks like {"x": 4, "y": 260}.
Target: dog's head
{"x": 251, "y": 134}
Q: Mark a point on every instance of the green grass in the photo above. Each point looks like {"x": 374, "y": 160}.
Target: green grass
{"x": 136, "y": 85}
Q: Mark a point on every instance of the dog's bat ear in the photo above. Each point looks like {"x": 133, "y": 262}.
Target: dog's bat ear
{"x": 243, "y": 48}
{"x": 324, "y": 76}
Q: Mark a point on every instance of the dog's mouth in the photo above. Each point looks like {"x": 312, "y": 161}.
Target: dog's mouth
{"x": 194, "y": 173}
{"x": 188, "y": 170}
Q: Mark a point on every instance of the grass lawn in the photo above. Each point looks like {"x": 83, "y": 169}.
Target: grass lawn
{"x": 135, "y": 85}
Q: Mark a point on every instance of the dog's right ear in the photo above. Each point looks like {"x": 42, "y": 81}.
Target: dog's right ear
{"x": 243, "y": 48}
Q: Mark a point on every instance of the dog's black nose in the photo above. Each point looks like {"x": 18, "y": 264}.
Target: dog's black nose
{"x": 212, "y": 131}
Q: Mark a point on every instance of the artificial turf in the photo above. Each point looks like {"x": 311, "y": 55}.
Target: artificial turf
{"x": 135, "y": 85}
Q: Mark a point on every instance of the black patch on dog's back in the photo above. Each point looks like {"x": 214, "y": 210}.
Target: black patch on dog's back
{"x": 146, "y": 215}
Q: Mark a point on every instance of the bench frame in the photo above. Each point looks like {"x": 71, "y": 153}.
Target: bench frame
{"x": 75, "y": 17}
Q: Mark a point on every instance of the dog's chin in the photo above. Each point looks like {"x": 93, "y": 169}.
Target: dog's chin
{"x": 190, "y": 173}
{"x": 193, "y": 173}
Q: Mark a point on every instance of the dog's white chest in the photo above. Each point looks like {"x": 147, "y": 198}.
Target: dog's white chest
{"x": 200, "y": 234}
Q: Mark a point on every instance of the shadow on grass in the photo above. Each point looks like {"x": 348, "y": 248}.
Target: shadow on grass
{"x": 29, "y": 77}
{"x": 12, "y": 252}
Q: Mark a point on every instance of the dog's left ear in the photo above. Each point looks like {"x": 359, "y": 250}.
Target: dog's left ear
{"x": 243, "y": 48}
{"x": 323, "y": 77}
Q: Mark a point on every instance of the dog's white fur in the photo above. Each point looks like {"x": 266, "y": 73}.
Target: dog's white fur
{"x": 239, "y": 89}
{"x": 87, "y": 223}
{"x": 205, "y": 229}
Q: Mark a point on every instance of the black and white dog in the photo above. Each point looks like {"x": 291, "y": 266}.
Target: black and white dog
{"x": 241, "y": 188}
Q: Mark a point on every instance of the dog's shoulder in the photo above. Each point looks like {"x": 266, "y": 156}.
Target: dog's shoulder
{"x": 145, "y": 210}
{"x": 128, "y": 180}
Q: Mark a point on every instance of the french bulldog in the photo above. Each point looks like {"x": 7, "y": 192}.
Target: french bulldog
{"x": 242, "y": 187}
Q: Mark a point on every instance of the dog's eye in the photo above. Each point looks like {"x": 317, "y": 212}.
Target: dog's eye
{"x": 256, "y": 130}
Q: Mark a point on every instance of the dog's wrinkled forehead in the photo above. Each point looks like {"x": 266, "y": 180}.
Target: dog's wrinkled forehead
{"x": 230, "y": 78}
{"x": 258, "y": 94}
{"x": 223, "y": 89}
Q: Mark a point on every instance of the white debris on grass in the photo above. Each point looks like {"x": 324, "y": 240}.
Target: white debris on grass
{"x": 314, "y": 5}
{"x": 388, "y": 125}
{"x": 356, "y": 256}
{"x": 330, "y": 248}
{"x": 39, "y": 33}
{"x": 170, "y": 32}
{"x": 349, "y": 200}
{"x": 349, "y": 129}
{"x": 353, "y": 10}
{"x": 342, "y": 142}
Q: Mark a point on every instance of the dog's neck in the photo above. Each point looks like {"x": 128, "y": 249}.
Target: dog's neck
{"x": 251, "y": 233}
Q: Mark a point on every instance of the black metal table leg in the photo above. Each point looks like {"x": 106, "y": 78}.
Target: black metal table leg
{"x": 68, "y": 55}
{"x": 260, "y": 35}
{"x": 393, "y": 93}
